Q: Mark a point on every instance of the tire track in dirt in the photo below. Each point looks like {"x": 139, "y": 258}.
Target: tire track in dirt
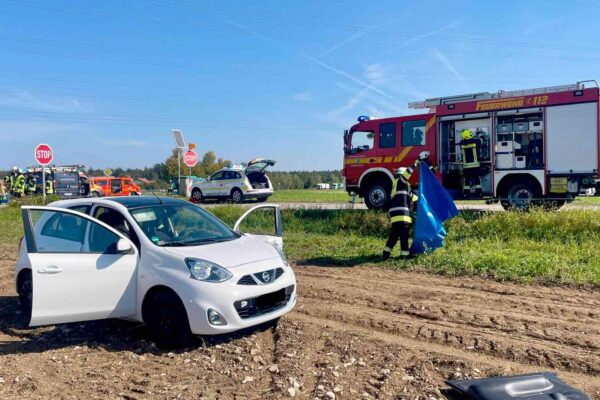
{"x": 526, "y": 326}
{"x": 578, "y": 334}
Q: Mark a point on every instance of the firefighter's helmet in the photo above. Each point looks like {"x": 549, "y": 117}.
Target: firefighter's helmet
{"x": 15, "y": 169}
{"x": 467, "y": 134}
{"x": 400, "y": 171}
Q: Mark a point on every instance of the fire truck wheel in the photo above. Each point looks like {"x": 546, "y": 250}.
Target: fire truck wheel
{"x": 376, "y": 194}
{"x": 95, "y": 194}
{"x": 237, "y": 196}
{"x": 197, "y": 195}
{"x": 520, "y": 196}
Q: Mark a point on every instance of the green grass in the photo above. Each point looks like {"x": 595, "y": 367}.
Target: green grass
{"x": 538, "y": 246}
{"x": 309, "y": 196}
{"x": 587, "y": 201}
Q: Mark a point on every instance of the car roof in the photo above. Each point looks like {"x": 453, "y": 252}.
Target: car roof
{"x": 126, "y": 201}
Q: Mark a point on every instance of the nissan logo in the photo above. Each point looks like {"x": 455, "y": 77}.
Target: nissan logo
{"x": 266, "y": 276}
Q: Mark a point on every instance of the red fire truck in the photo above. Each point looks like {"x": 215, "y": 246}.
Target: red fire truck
{"x": 539, "y": 146}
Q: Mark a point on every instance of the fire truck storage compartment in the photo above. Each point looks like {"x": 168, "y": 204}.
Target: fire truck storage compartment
{"x": 572, "y": 138}
{"x": 451, "y": 128}
{"x": 519, "y": 139}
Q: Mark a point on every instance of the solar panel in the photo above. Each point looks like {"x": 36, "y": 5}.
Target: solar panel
{"x": 178, "y": 137}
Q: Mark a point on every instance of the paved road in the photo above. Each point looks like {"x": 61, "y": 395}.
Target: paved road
{"x": 357, "y": 206}
{"x": 362, "y": 206}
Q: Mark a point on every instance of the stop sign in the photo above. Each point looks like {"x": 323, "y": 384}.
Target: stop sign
{"x": 190, "y": 158}
{"x": 43, "y": 154}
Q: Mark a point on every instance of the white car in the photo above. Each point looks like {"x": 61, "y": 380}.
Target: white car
{"x": 236, "y": 183}
{"x": 162, "y": 261}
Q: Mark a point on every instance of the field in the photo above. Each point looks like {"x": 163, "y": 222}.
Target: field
{"x": 309, "y": 196}
{"x": 362, "y": 328}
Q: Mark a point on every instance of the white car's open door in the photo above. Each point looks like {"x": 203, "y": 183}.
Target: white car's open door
{"x": 267, "y": 223}
{"x": 82, "y": 269}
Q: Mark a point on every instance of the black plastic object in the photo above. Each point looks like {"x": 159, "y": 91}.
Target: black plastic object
{"x": 538, "y": 386}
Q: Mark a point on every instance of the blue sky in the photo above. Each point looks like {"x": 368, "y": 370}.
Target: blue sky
{"x": 105, "y": 82}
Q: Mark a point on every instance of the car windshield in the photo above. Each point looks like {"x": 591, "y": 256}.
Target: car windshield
{"x": 181, "y": 225}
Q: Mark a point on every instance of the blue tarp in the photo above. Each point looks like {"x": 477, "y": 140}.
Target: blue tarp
{"x": 434, "y": 207}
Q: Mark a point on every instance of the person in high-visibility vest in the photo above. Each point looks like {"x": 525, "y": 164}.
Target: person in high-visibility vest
{"x": 19, "y": 185}
{"x": 7, "y": 182}
{"x": 30, "y": 184}
{"x": 402, "y": 199}
{"x": 49, "y": 184}
{"x": 469, "y": 146}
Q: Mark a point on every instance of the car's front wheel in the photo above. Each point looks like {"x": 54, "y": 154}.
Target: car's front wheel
{"x": 167, "y": 321}
{"x": 25, "y": 291}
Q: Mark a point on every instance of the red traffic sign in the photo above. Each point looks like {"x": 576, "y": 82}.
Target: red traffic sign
{"x": 190, "y": 158}
{"x": 43, "y": 154}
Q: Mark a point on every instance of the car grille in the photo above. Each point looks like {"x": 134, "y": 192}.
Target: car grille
{"x": 257, "y": 306}
{"x": 264, "y": 277}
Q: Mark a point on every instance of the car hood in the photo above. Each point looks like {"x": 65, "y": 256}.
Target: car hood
{"x": 230, "y": 254}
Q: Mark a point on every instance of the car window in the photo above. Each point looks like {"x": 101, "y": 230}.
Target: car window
{"x": 413, "y": 133}
{"x": 64, "y": 226}
{"x": 217, "y": 176}
{"x": 117, "y": 221}
{"x": 387, "y": 135}
{"x": 84, "y": 209}
{"x": 61, "y": 232}
{"x": 181, "y": 225}
{"x": 362, "y": 141}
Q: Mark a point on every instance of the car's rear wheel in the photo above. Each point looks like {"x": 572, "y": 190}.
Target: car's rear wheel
{"x": 167, "y": 321}
{"x": 237, "y": 196}
{"x": 197, "y": 195}
{"x": 25, "y": 291}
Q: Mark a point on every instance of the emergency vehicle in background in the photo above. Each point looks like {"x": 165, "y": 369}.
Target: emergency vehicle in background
{"x": 539, "y": 146}
{"x": 114, "y": 186}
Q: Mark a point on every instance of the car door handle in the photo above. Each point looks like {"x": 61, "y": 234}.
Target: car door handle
{"x": 53, "y": 269}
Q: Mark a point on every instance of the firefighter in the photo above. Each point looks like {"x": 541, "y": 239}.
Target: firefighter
{"x": 7, "y": 182}
{"x": 19, "y": 185}
{"x": 399, "y": 211}
{"x": 470, "y": 146}
{"x": 535, "y": 151}
{"x": 30, "y": 184}
{"x": 49, "y": 184}
{"x": 11, "y": 179}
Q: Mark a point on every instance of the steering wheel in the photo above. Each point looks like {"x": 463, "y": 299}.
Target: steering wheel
{"x": 189, "y": 231}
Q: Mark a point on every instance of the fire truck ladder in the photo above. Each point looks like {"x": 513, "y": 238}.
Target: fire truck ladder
{"x": 438, "y": 101}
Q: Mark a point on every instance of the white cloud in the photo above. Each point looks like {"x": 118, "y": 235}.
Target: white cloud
{"x": 302, "y": 97}
{"x": 375, "y": 74}
{"x": 438, "y": 55}
{"x": 24, "y": 99}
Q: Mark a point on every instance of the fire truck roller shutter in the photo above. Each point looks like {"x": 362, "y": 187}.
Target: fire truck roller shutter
{"x": 572, "y": 138}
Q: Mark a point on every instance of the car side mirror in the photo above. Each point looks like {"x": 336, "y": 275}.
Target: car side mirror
{"x": 123, "y": 246}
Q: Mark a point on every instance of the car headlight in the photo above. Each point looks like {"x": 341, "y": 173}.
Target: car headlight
{"x": 207, "y": 271}
{"x": 281, "y": 254}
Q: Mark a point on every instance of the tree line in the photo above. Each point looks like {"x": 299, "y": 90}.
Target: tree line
{"x": 161, "y": 173}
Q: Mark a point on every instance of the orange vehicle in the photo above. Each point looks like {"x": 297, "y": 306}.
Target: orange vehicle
{"x": 114, "y": 186}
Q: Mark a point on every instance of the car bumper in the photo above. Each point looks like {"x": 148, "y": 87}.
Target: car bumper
{"x": 242, "y": 306}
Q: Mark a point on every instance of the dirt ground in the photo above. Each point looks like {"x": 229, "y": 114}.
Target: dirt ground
{"x": 355, "y": 333}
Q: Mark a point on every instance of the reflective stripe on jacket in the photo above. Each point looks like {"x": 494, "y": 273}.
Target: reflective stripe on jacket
{"x": 402, "y": 197}
{"x": 469, "y": 150}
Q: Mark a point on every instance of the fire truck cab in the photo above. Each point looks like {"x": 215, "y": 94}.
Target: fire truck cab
{"x": 538, "y": 146}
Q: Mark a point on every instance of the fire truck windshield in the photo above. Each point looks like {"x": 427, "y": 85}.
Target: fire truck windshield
{"x": 361, "y": 141}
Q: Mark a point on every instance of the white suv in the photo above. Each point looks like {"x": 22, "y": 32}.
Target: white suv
{"x": 236, "y": 183}
{"x": 161, "y": 261}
